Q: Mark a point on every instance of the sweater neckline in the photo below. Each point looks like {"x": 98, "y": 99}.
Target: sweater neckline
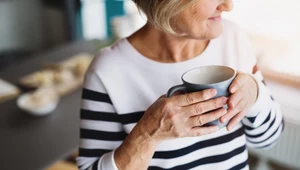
{"x": 133, "y": 54}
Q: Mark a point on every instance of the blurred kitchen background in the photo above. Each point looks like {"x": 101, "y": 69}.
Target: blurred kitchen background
{"x": 44, "y": 42}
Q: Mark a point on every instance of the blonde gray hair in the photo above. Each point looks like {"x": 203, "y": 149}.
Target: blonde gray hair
{"x": 161, "y": 12}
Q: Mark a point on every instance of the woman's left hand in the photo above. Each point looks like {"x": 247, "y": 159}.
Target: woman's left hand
{"x": 244, "y": 91}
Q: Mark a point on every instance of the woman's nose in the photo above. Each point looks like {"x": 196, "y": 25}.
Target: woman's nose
{"x": 226, "y": 5}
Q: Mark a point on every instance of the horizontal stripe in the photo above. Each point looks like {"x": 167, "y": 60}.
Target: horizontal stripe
{"x": 103, "y": 116}
{"x": 261, "y": 134}
{"x": 180, "y": 143}
{"x": 199, "y": 145}
{"x": 263, "y": 127}
{"x": 95, "y": 96}
{"x": 92, "y": 152}
{"x": 99, "y": 144}
{"x": 268, "y": 146}
{"x": 259, "y": 120}
{"x": 268, "y": 137}
{"x": 200, "y": 153}
{"x": 251, "y": 128}
{"x": 206, "y": 160}
{"x": 97, "y": 106}
{"x": 240, "y": 166}
{"x": 226, "y": 164}
{"x": 271, "y": 140}
{"x": 101, "y": 135}
{"x": 277, "y": 123}
{"x": 112, "y": 117}
{"x": 133, "y": 117}
{"x": 99, "y": 125}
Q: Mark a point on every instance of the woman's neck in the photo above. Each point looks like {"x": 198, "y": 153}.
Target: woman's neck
{"x": 163, "y": 47}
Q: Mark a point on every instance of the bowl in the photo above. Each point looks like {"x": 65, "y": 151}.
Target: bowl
{"x": 43, "y": 110}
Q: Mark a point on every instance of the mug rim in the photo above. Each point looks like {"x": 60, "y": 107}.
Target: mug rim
{"x": 221, "y": 82}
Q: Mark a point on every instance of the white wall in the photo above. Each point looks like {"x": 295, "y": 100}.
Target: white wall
{"x": 94, "y": 19}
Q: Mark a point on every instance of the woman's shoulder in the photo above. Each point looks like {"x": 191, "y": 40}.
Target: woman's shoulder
{"x": 107, "y": 57}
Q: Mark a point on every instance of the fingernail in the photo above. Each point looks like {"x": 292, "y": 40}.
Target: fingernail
{"x": 213, "y": 92}
{"x": 228, "y": 128}
{"x": 233, "y": 89}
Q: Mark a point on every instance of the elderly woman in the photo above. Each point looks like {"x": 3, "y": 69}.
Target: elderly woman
{"x": 127, "y": 123}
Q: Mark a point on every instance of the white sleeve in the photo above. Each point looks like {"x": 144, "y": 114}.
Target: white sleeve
{"x": 263, "y": 123}
{"x": 101, "y": 132}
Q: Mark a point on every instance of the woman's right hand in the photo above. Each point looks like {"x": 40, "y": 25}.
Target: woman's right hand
{"x": 182, "y": 115}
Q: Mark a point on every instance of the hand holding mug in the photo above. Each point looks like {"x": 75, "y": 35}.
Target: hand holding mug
{"x": 244, "y": 91}
{"x": 207, "y": 77}
{"x": 182, "y": 115}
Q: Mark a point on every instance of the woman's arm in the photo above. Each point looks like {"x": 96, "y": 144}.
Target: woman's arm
{"x": 100, "y": 129}
{"x": 264, "y": 121}
{"x": 251, "y": 103}
{"x": 136, "y": 151}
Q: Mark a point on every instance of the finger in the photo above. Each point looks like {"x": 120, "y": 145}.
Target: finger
{"x": 203, "y": 107}
{"x": 200, "y": 131}
{"x": 207, "y": 117}
{"x": 236, "y": 119}
{"x": 195, "y": 97}
{"x": 162, "y": 96}
{"x": 234, "y": 99}
{"x": 237, "y": 83}
{"x": 232, "y": 112}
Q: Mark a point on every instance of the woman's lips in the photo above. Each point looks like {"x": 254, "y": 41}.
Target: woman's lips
{"x": 217, "y": 18}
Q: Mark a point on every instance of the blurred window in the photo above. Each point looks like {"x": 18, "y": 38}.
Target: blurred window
{"x": 274, "y": 29}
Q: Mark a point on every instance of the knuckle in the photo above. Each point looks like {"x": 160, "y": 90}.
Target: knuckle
{"x": 217, "y": 114}
{"x": 242, "y": 105}
{"x": 166, "y": 105}
{"x": 206, "y": 95}
{"x": 199, "y": 109}
{"x": 200, "y": 120}
{"x": 217, "y": 102}
{"x": 189, "y": 98}
{"x": 171, "y": 116}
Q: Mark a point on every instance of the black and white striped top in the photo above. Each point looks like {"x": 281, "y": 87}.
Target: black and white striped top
{"x": 121, "y": 84}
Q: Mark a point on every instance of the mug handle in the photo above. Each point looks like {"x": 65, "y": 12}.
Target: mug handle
{"x": 174, "y": 89}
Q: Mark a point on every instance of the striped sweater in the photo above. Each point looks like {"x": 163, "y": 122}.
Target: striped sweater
{"x": 121, "y": 84}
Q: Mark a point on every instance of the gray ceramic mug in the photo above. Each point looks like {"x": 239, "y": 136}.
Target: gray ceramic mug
{"x": 214, "y": 76}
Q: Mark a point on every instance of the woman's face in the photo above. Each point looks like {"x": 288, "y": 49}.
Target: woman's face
{"x": 202, "y": 20}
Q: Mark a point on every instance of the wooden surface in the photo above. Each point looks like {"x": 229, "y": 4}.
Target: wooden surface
{"x": 63, "y": 166}
{"x": 282, "y": 78}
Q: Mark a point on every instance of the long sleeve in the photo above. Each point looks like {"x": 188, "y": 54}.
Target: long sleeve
{"x": 100, "y": 131}
{"x": 263, "y": 123}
